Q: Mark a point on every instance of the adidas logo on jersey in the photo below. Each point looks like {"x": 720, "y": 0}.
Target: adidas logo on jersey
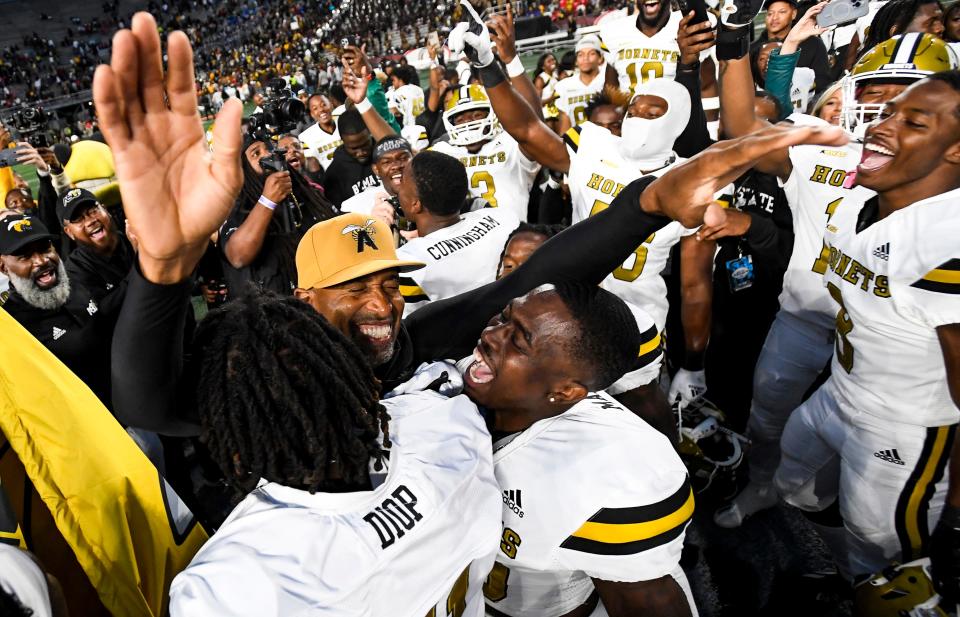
{"x": 513, "y": 500}
{"x": 891, "y": 456}
{"x": 882, "y": 251}
{"x": 58, "y": 332}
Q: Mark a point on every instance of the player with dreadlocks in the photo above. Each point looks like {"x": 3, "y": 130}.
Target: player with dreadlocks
{"x": 607, "y": 500}
{"x": 260, "y": 360}
{"x": 289, "y": 408}
{"x": 269, "y": 217}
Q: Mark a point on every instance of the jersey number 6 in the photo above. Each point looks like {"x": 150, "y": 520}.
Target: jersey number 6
{"x": 625, "y": 272}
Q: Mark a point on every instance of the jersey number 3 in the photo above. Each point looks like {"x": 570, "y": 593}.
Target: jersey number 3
{"x": 489, "y": 186}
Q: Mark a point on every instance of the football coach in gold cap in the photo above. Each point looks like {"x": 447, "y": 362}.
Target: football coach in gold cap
{"x": 348, "y": 270}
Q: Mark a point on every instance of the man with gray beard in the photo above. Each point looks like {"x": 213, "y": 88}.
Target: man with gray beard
{"x": 62, "y": 316}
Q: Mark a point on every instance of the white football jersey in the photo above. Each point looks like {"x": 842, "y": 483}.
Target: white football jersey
{"x": 458, "y": 258}
{"x": 815, "y": 188}
{"x": 638, "y": 57}
{"x": 594, "y": 492}
{"x": 573, "y": 95}
{"x": 893, "y": 282}
{"x": 408, "y": 100}
{"x": 421, "y": 541}
{"x": 320, "y": 144}
{"x": 364, "y": 201}
{"x": 597, "y": 175}
{"x": 499, "y": 173}
{"x": 649, "y": 357}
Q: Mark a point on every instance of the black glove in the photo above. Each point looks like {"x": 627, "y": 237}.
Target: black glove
{"x": 733, "y": 34}
{"x": 945, "y": 555}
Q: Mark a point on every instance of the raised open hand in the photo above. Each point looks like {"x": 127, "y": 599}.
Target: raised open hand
{"x": 174, "y": 191}
{"x": 685, "y": 192}
{"x": 503, "y": 34}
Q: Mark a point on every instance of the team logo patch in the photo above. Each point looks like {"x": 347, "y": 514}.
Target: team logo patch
{"x": 890, "y": 456}
{"x": 92, "y": 307}
{"x": 70, "y": 196}
{"x": 19, "y": 226}
{"x": 363, "y": 234}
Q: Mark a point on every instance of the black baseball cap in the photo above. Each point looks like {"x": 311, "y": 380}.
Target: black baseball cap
{"x": 73, "y": 200}
{"x": 18, "y": 231}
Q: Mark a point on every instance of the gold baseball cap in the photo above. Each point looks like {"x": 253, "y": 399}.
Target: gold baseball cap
{"x": 344, "y": 248}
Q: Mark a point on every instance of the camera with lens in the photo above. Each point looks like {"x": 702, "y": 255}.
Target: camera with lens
{"x": 275, "y": 162}
{"x": 281, "y": 112}
{"x": 30, "y": 123}
{"x": 347, "y": 41}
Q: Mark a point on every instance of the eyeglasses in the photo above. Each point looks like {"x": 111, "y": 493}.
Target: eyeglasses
{"x": 87, "y": 214}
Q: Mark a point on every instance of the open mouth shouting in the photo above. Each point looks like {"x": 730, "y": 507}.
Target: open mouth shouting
{"x": 45, "y": 277}
{"x": 479, "y": 372}
{"x": 876, "y": 155}
{"x": 96, "y": 232}
{"x": 651, "y": 8}
{"x": 395, "y": 178}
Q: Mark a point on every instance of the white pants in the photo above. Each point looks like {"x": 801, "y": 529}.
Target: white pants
{"x": 890, "y": 477}
{"x": 794, "y": 354}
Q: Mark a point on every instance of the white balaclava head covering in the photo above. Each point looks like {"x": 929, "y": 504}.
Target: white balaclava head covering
{"x": 648, "y": 144}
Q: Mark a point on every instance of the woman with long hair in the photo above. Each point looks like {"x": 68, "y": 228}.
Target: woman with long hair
{"x": 545, "y": 76}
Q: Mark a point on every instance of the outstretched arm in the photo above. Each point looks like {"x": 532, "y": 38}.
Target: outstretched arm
{"x": 504, "y": 36}
{"x": 176, "y": 194}
{"x": 738, "y": 116}
{"x": 522, "y": 123}
{"x": 593, "y": 248}
{"x": 357, "y": 88}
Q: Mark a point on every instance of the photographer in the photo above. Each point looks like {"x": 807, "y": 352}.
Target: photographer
{"x": 51, "y": 179}
{"x": 276, "y": 206}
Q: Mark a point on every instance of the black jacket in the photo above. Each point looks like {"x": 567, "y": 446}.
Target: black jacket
{"x": 78, "y": 333}
{"x": 105, "y": 278}
{"x": 154, "y": 388}
{"x": 346, "y": 177}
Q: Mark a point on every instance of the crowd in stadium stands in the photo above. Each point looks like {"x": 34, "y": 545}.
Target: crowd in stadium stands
{"x": 666, "y": 325}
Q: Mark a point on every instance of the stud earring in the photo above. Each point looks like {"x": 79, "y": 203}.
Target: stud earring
{"x": 553, "y": 399}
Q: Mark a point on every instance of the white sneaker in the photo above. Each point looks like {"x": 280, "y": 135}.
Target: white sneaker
{"x": 752, "y": 499}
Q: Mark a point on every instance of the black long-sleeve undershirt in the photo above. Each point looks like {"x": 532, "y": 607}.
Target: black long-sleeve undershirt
{"x": 153, "y": 384}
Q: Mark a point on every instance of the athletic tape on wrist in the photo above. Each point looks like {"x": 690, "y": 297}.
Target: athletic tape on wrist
{"x": 515, "y": 68}
{"x": 364, "y": 105}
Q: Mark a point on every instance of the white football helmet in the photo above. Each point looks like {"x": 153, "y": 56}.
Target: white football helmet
{"x": 469, "y": 98}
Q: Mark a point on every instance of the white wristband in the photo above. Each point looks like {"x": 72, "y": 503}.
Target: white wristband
{"x": 364, "y": 105}
{"x": 515, "y": 68}
{"x": 266, "y": 203}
